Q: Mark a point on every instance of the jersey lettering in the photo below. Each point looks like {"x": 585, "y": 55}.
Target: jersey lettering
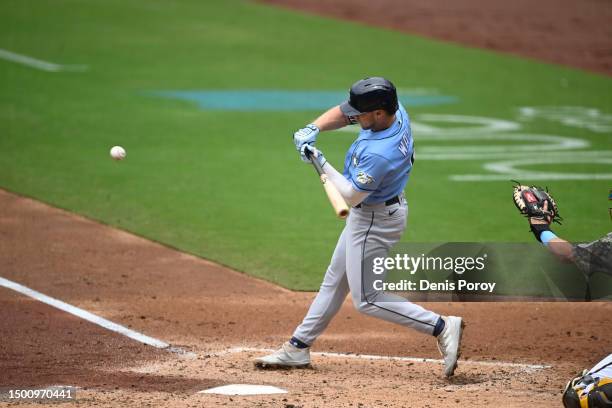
{"x": 403, "y": 145}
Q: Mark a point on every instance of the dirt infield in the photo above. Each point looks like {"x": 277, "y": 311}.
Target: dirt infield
{"x": 573, "y": 33}
{"x": 208, "y": 309}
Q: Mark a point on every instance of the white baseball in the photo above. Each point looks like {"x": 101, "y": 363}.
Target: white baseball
{"x": 117, "y": 153}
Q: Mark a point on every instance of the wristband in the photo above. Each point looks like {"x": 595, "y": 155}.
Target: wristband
{"x": 547, "y": 236}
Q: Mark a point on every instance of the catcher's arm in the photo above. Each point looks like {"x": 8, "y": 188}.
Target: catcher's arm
{"x": 561, "y": 249}
{"x": 557, "y": 246}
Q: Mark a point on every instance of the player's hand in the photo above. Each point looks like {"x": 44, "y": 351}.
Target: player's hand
{"x": 313, "y": 153}
{"x": 539, "y": 221}
{"x": 305, "y": 135}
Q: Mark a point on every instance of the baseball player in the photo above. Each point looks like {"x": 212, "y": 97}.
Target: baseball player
{"x": 591, "y": 389}
{"x": 590, "y": 257}
{"x": 376, "y": 169}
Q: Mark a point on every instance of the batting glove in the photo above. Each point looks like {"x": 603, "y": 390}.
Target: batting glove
{"x": 314, "y": 153}
{"x": 305, "y": 135}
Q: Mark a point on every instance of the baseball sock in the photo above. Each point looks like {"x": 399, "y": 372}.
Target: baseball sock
{"x": 298, "y": 343}
{"x": 439, "y": 327}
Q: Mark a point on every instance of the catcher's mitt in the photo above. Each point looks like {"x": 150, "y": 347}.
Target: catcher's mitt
{"x": 530, "y": 202}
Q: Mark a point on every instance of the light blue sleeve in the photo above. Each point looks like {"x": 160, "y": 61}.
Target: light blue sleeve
{"x": 369, "y": 173}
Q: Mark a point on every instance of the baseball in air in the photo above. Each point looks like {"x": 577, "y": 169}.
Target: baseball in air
{"x": 117, "y": 153}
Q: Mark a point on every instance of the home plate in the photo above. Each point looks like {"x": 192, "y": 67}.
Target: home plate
{"x": 244, "y": 389}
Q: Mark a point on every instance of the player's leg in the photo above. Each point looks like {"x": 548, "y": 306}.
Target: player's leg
{"x": 371, "y": 234}
{"x": 329, "y": 299}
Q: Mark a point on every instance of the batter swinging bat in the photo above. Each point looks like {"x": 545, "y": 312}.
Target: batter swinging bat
{"x": 334, "y": 196}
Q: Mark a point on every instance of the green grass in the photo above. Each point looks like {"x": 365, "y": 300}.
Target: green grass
{"x": 229, "y": 186}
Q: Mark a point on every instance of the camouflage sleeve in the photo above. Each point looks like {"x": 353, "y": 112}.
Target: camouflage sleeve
{"x": 595, "y": 256}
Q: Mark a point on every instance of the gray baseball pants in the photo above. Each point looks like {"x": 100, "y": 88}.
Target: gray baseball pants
{"x": 370, "y": 231}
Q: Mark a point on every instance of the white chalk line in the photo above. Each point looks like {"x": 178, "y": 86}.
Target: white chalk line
{"x": 39, "y": 64}
{"x": 523, "y": 366}
{"x": 92, "y": 318}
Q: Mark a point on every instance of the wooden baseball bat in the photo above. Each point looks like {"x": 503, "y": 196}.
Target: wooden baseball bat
{"x": 334, "y": 196}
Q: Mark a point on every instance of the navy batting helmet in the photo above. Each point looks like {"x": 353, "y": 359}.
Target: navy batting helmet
{"x": 370, "y": 94}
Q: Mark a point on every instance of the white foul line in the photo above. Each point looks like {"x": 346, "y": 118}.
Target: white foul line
{"x": 39, "y": 64}
{"x": 527, "y": 367}
{"x": 90, "y": 317}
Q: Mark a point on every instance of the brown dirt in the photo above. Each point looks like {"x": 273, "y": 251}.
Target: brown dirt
{"x": 567, "y": 32}
{"x": 207, "y": 308}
